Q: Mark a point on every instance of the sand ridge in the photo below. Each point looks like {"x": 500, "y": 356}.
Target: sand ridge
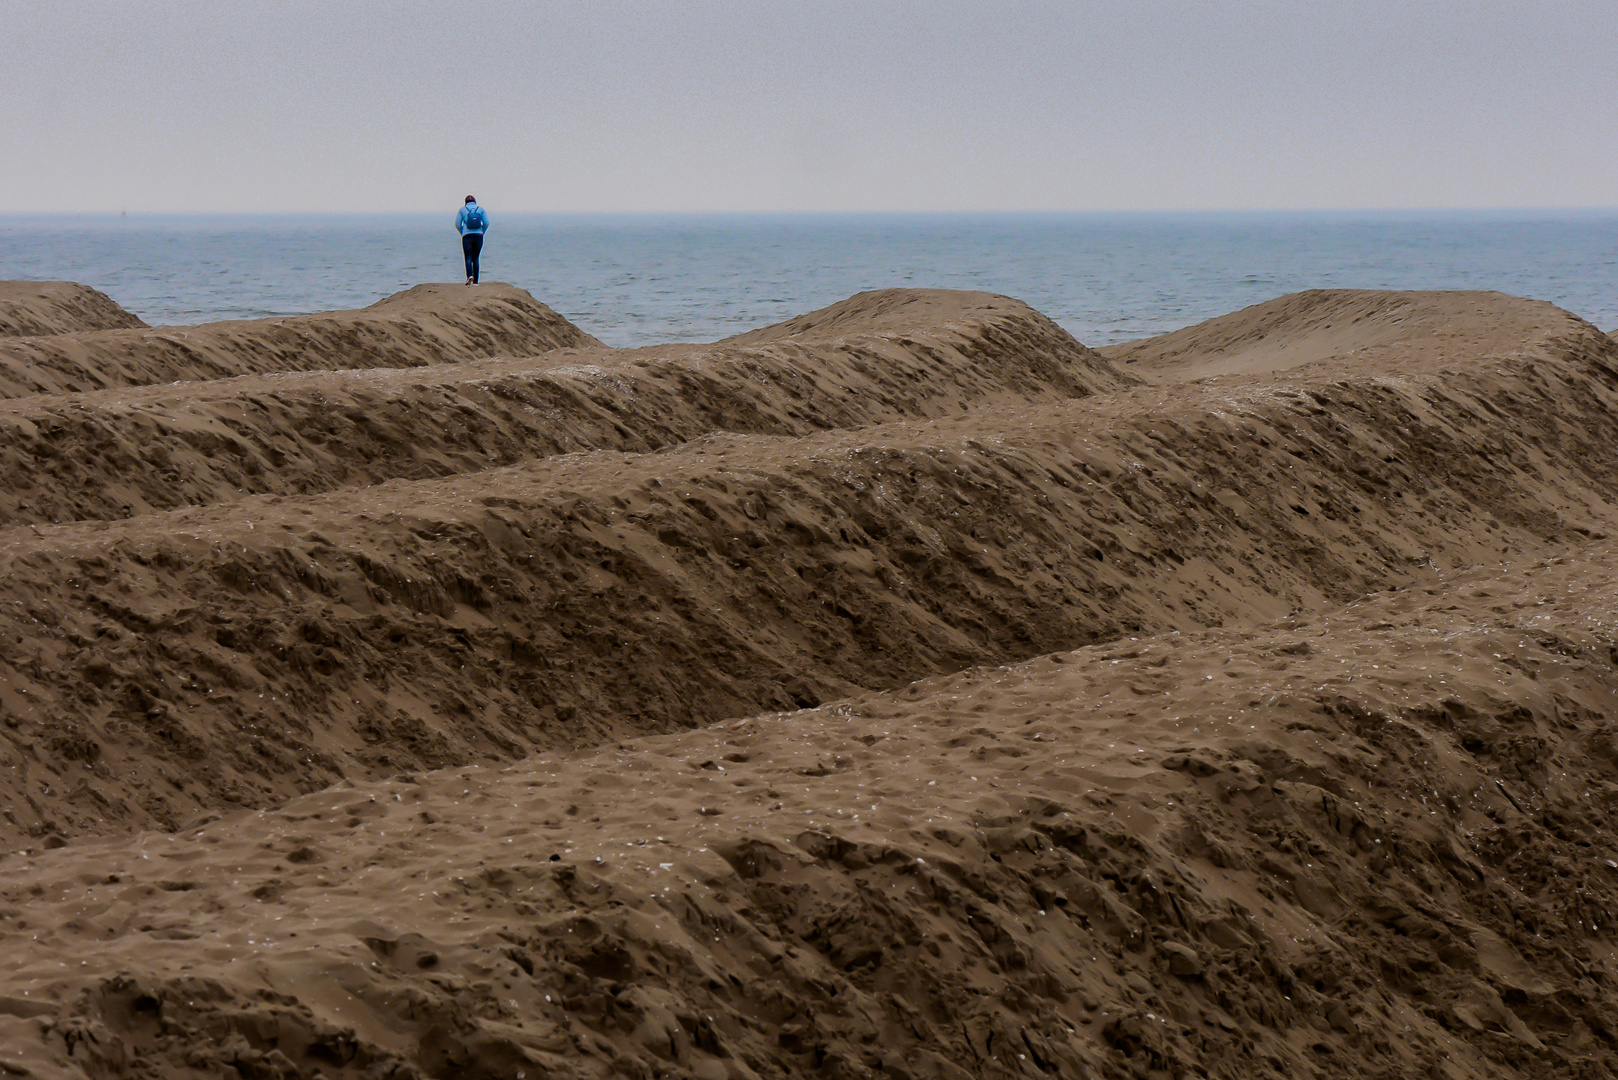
{"x": 1373, "y": 841}
{"x": 242, "y": 652}
{"x": 126, "y": 451}
{"x": 1355, "y": 327}
{"x": 32, "y": 308}
{"x": 1242, "y": 710}
{"x": 427, "y": 324}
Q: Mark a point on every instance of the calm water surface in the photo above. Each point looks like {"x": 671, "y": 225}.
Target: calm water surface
{"x": 639, "y": 279}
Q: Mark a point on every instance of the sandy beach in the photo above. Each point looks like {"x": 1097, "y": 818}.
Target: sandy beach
{"x": 902, "y": 690}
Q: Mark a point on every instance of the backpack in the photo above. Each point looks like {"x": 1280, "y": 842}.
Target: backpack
{"x": 475, "y": 218}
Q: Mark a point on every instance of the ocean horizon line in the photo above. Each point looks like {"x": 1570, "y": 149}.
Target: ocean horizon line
{"x": 1502, "y": 213}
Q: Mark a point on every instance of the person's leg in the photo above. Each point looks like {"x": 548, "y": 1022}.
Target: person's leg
{"x": 470, "y": 243}
{"x": 477, "y": 249}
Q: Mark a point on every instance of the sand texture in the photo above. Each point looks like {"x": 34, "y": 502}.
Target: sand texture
{"x": 902, "y": 690}
{"x": 33, "y": 308}
{"x": 429, "y": 324}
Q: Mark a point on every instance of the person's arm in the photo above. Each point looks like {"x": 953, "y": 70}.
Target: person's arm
{"x": 460, "y": 221}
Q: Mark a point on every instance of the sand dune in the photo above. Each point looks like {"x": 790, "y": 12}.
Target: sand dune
{"x": 58, "y": 307}
{"x": 1358, "y": 328}
{"x": 117, "y": 453}
{"x": 1240, "y": 710}
{"x": 429, "y": 324}
{"x": 898, "y": 313}
{"x": 1371, "y": 842}
{"x": 588, "y": 597}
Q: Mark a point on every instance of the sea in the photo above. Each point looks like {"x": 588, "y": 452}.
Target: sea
{"x": 638, "y": 279}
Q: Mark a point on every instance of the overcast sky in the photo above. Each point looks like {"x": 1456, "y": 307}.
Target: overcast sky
{"x": 147, "y": 105}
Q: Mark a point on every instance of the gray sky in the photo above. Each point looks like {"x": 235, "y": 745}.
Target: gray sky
{"x": 147, "y": 105}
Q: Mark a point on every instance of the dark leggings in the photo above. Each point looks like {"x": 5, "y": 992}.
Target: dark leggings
{"x": 472, "y": 247}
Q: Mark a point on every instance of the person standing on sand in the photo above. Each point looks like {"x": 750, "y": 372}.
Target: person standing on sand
{"x": 471, "y": 223}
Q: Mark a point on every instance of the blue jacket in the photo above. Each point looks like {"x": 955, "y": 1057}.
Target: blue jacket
{"x": 472, "y": 219}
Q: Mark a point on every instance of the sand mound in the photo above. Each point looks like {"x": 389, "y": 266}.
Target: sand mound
{"x": 429, "y": 324}
{"x": 246, "y": 651}
{"x": 1376, "y": 842}
{"x": 898, "y": 313}
{"x": 1355, "y": 328}
{"x": 58, "y": 307}
{"x": 117, "y": 453}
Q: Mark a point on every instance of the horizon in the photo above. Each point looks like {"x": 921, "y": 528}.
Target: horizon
{"x": 1220, "y": 212}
